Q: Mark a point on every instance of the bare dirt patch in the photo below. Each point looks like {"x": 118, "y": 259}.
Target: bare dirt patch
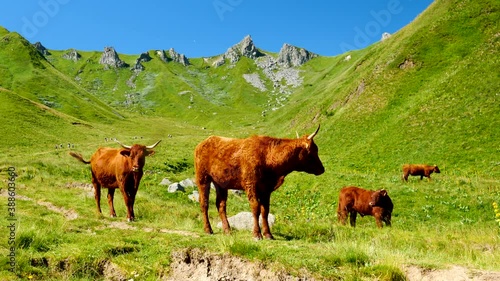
{"x": 193, "y": 264}
{"x": 454, "y": 273}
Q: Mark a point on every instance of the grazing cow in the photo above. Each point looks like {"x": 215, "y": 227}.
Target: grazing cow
{"x": 258, "y": 165}
{"x": 118, "y": 168}
{"x": 354, "y": 200}
{"x": 419, "y": 170}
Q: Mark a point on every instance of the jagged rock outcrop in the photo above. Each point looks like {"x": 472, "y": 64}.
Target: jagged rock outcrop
{"x": 290, "y": 56}
{"x": 72, "y": 54}
{"x": 162, "y": 55}
{"x": 111, "y": 58}
{"x": 144, "y": 57}
{"x": 40, "y": 48}
{"x": 180, "y": 58}
{"x": 245, "y": 48}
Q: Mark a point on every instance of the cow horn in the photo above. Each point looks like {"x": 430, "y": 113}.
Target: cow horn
{"x": 297, "y": 133}
{"x": 153, "y": 146}
{"x": 124, "y": 146}
{"x": 311, "y": 136}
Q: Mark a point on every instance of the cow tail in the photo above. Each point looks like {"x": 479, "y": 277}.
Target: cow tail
{"x": 79, "y": 157}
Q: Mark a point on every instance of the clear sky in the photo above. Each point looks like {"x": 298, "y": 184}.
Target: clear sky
{"x": 203, "y": 28}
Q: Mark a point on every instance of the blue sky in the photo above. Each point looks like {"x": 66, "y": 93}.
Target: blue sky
{"x": 202, "y": 28}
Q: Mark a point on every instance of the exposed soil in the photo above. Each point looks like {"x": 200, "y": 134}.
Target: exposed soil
{"x": 195, "y": 265}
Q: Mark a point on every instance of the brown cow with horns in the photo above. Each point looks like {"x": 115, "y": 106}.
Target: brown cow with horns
{"x": 258, "y": 165}
{"x": 118, "y": 168}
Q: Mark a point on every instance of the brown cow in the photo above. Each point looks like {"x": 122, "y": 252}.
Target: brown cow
{"x": 118, "y": 168}
{"x": 419, "y": 170}
{"x": 354, "y": 200}
{"x": 258, "y": 165}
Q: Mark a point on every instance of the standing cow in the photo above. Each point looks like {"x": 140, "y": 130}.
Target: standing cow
{"x": 258, "y": 165}
{"x": 354, "y": 200}
{"x": 118, "y": 168}
{"x": 419, "y": 170}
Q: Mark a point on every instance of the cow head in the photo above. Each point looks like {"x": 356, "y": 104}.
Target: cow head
{"x": 436, "y": 169}
{"x": 137, "y": 153}
{"x": 377, "y": 197}
{"x": 309, "y": 159}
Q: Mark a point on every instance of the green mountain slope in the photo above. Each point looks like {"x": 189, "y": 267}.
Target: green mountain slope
{"x": 427, "y": 94}
{"x": 24, "y": 71}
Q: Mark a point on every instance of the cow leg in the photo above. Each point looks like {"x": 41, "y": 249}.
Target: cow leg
{"x": 264, "y": 210}
{"x": 97, "y": 193}
{"x": 130, "y": 206}
{"x": 204, "y": 191}
{"x": 352, "y": 218}
{"x": 378, "y": 219}
{"x": 342, "y": 215}
{"x": 111, "y": 195}
{"x": 255, "y": 207}
{"x": 387, "y": 219}
{"x": 220, "y": 203}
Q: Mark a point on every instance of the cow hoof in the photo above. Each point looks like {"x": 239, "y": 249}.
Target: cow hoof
{"x": 130, "y": 219}
{"x": 269, "y": 236}
{"x": 257, "y": 237}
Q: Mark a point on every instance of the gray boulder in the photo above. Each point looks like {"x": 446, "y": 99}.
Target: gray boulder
{"x": 174, "y": 187}
{"x": 244, "y": 220}
{"x": 187, "y": 183}
{"x": 165, "y": 181}
{"x": 291, "y": 56}
{"x": 385, "y": 35}
{"x": 195, "y": 196}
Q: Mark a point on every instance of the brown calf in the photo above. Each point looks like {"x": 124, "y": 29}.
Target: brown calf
{"x": 419, "y": 170}
{"x": 354, "y": 200}
{"x": 258, "y": 165}
{"x": 118, "y": 168}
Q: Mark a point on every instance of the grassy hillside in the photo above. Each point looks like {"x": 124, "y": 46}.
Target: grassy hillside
{"x": 428, "y": 94}
{"x": 440, "y": 107}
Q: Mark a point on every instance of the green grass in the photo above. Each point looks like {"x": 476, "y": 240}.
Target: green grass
{"x": 374, "y": 117}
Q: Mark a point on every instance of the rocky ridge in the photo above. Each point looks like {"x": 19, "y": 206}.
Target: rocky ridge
{"x": 40, "y": 48}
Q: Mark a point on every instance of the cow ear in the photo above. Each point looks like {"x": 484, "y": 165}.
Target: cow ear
{"x": 125, "y": 153}
{"x": 150, "y": 152}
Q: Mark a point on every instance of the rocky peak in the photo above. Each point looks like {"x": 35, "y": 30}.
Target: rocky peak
{"x": 144, "y": 57}
{"x": 245, "y": 48}
{"x": 162, "y": 55}
{"x": 180, "y": 58}
{"x": 111, "y": 58}
{"x": 72, "y": 54}
{"x": 40, "y": 48}
{"x": 290, "y": 56}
